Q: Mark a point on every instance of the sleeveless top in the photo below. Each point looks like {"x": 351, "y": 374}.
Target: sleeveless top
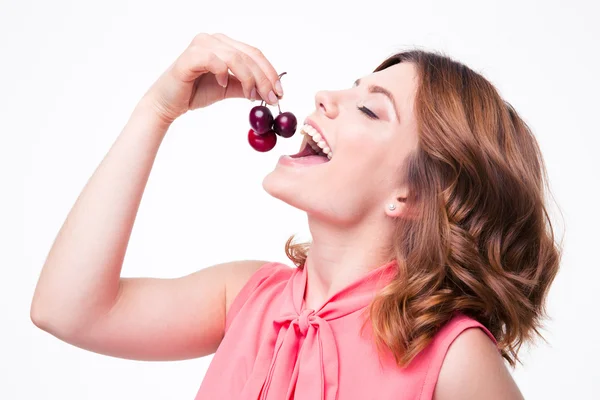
{"x": 276, "y": 349}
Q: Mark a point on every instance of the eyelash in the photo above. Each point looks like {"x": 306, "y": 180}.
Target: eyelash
{"x": 368, "y": 113}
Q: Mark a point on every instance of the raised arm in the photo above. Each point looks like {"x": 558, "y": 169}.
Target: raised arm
{"x": 80, "y": 296}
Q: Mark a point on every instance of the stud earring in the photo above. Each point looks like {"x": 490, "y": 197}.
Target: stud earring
{"x": 391, "y": 207}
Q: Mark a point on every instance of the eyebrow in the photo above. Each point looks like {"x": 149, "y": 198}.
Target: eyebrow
{"x": 385, "y": 92}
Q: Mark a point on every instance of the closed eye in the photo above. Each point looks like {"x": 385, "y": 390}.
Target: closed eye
{"x": 368, "y": 112}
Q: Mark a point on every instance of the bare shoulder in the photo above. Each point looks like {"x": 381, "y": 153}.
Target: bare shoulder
{"x": 474, "y": 369}
{"x": 237, "y": 275}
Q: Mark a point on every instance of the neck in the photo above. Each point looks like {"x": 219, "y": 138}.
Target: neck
{"x": 340, "y": 256}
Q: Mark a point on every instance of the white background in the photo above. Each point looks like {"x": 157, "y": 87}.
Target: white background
{"x": 72, "y": 71}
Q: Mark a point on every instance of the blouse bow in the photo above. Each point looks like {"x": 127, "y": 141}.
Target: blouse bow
{"x": 298, "y": 359}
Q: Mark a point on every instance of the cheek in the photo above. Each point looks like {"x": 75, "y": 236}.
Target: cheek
{"x": 361, "y": 157}
{"x": 365, "y": 154}
{"x": 359, "y": 144}
{"x": 359, "y": 168}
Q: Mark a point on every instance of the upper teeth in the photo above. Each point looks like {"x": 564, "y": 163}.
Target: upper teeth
{"x": 315, "y": 140}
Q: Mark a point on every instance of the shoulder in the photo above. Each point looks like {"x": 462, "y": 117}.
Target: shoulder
{"x": 474, "y": 369}
{"x": 246, "y": 275}
{"x": 241, "y": 273}
{"x": 252, "y": 278}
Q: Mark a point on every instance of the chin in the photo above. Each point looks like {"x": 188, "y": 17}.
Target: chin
{"x": 290, "y": 192}
{"x": 281, "y": 187}
{"x": 278, "y": 187}
{"x": 302, "y": 194}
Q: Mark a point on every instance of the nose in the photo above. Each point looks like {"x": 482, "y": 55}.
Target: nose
{"x": 326, "y": 103}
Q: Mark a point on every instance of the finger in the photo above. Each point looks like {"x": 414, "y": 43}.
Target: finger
{"x": 234, "y": 88}
{"x": 240, "y": 66}
{"x": 207, "y": 54}
{"x": 197, "y": 60}
{"x": 266, "y": 68}
{"x": 246, "y": 70}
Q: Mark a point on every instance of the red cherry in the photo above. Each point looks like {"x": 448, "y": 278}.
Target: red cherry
{"x": 262, "y": 143}
{"x": 285, "y": 124}
{"x": 261, "y": 119}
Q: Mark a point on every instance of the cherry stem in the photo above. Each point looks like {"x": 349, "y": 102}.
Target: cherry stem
{"x": 280, "y": 75}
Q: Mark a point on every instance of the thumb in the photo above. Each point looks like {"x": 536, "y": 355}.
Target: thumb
{"x": 234, "y": 88}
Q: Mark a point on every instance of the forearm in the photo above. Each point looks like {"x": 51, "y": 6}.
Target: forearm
{"x": 80, "y": 277}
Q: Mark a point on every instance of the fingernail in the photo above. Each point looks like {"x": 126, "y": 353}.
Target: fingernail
{"x": 272, "y": 97}
{"x": 253, "y": 94}
{"x": 278, "y": 88}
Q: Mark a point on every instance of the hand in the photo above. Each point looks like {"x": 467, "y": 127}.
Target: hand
{"x": 200, "y": 77}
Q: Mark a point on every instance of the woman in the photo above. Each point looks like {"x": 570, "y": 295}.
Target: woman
{"x": 427, "y": 220}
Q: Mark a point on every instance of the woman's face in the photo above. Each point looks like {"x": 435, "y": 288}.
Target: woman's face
{"x": 365, "y": 172}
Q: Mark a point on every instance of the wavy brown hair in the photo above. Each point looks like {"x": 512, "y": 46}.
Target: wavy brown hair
{"x": 482, "y": 242}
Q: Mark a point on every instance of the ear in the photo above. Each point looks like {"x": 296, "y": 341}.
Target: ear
{"x": 402, "y": 209}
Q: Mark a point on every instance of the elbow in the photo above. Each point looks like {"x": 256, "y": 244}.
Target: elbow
{"x": 40, "y": 317}
{"x": 38, "y": 310}
{"x": 48, "y": 313}
{"x": 53, "y": 324}
{"x": 50, "y": 321}
{"x": 66, "y": 324}
{"x": 36, "y": 316}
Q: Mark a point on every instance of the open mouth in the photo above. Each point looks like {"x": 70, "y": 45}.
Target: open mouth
{"x": 314, "y": 146}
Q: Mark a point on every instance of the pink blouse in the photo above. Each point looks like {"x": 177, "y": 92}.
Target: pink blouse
{"x": 275, "y": 349}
